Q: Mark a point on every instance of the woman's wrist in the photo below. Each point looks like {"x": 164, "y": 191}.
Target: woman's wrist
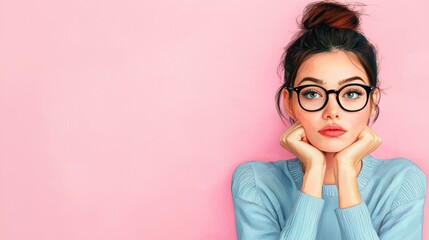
{"x": 346, "y": 169}
{"x": 348, "y": 187}
{"x": 313, "y": 181}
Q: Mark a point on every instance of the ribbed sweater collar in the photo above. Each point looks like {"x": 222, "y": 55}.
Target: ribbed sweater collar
{"x": 295, "y": 169}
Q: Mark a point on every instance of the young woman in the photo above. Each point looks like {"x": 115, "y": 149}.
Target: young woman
{"x": 334, "y": 189}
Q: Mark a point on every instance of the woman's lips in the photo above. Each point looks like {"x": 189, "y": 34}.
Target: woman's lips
{"x": 332, "y": 130}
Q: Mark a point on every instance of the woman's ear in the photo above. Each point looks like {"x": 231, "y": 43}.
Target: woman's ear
{"x": 375, "y": 99}
{"x": 288, "y": 104}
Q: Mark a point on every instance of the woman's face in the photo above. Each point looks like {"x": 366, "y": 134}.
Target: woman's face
{"x": 330, "y": 68}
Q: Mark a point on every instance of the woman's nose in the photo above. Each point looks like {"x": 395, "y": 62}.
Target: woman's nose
{"x": 332, "y": 108}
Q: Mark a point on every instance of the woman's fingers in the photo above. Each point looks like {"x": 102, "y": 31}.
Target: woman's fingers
{"x": 374, "y": 140}
{"x": 296, "y": 142}
{"x": 370, "y": 139}
{"x": 285, "y": 137}
{"x": 293, "y": 136}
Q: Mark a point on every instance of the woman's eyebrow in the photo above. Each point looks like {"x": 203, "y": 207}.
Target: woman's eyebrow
{"x": 350, "y": 79}
{"x": 319, "y": 81}
{"x": 311, "y": 79}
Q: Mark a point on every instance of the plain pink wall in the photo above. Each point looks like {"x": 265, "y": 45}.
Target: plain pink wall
{"x": 126, "y": 119}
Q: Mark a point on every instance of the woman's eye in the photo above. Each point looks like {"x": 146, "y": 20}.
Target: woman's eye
{"x": 311, "y": 94}
{"x": 352, "y": 94}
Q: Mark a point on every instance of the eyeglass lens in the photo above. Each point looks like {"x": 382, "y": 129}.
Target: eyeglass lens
{"x": 351, "y": 97}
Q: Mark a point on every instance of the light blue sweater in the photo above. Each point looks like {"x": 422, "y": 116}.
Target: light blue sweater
{"x": 269, "y": 205}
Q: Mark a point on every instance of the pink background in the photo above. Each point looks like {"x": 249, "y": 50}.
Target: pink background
{"x": 126, "y": 119}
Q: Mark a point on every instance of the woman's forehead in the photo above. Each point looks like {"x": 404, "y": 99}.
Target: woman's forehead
{"x": 332, "y": 68}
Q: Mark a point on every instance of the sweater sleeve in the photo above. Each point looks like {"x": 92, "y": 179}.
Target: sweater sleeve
{"x": 255, "y": 222}
{"x": 355, "y": 223}
{"x": 403, "y": 221}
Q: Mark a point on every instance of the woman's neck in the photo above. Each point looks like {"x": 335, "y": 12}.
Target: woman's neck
{"x": 329, "y": 172}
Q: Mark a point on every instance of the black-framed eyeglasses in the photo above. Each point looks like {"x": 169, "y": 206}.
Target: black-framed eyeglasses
{"x": 351, "y": 98}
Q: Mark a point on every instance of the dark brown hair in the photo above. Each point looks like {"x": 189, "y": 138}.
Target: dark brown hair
{"x": 327, "y": 26}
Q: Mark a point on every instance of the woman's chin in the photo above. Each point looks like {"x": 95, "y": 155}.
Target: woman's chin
{"x": 331, "y": 145}
{"x": 331, "y": 148}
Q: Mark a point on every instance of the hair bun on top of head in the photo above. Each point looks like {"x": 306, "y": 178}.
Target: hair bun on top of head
{"x": 329, "y": 14}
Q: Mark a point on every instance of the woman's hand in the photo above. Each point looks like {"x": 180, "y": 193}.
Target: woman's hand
{"x": 351, "y": 156}
{"x": 295, "y": 141}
